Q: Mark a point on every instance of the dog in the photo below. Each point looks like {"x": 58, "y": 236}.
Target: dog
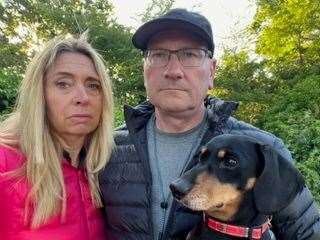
{"x": 238, "y": 183}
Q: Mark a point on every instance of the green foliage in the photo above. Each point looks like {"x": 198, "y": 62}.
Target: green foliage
{"x": 295, "y": 117}
{"x": 26, "y": 19}
{"x": 244, "y": 80}
{"x": 288, "y": 35}
{"x": 9, "y": 81}
{"x": 310, "y": 169}
{"x": 119, "y": 118}
{"x": 12, "y": 55}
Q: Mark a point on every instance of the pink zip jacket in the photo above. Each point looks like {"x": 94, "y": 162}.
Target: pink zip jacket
{"x": 83, "y": 220}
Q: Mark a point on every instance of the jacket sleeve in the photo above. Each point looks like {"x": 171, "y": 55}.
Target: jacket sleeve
{"x": 300, "y": 220}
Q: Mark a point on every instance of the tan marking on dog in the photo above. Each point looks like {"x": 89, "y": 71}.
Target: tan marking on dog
{"x": 203, "y": 150}
{"x": 222, "y": 153}
{"x": 250, "y": 183}
{"x": 208, "y": 192}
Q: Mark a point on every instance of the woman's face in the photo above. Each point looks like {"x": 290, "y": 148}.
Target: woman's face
{"x": 73, "y": 96}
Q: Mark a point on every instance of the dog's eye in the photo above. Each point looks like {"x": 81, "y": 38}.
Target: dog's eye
{"x": 229, "y": 163}
{"x": 201, "y": 159}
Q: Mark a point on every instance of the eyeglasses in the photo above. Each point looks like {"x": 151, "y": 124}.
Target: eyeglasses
{"x": 188, "y": 57}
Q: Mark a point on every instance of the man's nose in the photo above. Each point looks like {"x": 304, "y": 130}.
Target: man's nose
{"x": 81, "y": 95}
{"x": 174, "y": 68}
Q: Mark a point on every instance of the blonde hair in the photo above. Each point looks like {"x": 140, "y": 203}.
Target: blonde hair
{"x": 27, "y": 129}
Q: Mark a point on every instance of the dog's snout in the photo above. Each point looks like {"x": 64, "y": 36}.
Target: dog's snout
{"x": 179, "y": 189}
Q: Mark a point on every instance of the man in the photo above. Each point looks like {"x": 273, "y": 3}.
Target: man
{"x": 162, "y": 136}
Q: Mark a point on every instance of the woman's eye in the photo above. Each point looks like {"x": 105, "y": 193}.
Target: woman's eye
{"x": 229, "y": 163}
{"x": 94, "y": 86}
{"x": 62, "y": 84}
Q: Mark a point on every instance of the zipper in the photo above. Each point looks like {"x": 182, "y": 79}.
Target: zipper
{"x": 139, "y": 139}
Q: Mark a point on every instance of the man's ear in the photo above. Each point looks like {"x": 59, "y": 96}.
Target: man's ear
{"x": 144, "y": 77}
{"x": 213, "y": 67}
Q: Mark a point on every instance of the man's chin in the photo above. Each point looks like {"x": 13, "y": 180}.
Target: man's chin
{"x": 173, "y": 106}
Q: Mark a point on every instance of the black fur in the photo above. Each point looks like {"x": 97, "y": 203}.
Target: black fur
{"x": 277, "y": 180}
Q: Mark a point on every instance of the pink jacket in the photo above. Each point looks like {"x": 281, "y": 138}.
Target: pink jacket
{"x": 83, "y": 220}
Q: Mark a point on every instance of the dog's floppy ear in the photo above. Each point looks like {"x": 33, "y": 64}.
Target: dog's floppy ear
{"x": 278, "y": 183}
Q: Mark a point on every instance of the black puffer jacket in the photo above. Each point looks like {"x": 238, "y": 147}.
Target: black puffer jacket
{"x": 126, "y": 182}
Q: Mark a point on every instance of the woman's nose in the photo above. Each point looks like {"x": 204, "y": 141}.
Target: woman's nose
{"x": 81, "y": 95}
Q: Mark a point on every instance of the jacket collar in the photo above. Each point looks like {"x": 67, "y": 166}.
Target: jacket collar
{"x": 137, "y": 117}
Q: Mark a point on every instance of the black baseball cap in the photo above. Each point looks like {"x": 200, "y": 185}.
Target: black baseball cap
{"x": 177, "y": 18}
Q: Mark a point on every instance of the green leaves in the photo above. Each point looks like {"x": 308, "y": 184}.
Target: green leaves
{"x": 288, "y": 32}
{"x": 9, "y": 81}
{"x": 295, "y": 117}
{"x": 244, "y": 80}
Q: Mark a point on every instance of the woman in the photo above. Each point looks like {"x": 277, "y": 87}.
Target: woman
{"x": 53, "y": 145}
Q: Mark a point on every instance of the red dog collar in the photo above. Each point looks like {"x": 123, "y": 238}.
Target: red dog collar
{"x": 238, "y": 231}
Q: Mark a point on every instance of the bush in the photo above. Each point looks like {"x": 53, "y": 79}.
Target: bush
{"x": 295, "y": 117}
{"x": 9, "y": 82}
{"x": 118, "y": 114}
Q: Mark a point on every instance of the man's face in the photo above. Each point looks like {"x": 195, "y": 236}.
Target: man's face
{"x": 175, "y": 88}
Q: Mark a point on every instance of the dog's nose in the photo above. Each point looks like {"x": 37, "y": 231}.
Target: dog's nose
{"x": 176, "y": 192}
{"x": 179, "y": 189}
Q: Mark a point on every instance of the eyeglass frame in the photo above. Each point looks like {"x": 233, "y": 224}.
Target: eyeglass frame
{"x": 207, "y": 53}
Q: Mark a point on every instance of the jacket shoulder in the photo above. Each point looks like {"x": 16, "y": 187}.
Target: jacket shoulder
{"x": 10, "y": 159}
{"x": 235, "y": 126}
{"x": 121, "y": 136}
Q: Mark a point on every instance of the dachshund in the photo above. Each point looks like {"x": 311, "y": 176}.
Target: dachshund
{"x": 238, "y": 184}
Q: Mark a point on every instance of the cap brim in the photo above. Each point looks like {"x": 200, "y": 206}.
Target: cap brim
{"x": 142, "y": 36}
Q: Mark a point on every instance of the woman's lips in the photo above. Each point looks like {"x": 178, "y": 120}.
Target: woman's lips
{"x": 80, "y": 118}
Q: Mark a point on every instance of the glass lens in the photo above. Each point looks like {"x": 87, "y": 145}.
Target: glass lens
{"x": 191, "y": 57}
{"x": 188, "y": 57}
{"x": 158, "y": 57}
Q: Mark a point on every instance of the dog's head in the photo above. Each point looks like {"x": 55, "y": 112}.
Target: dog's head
{"x": 229, "y": 167}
